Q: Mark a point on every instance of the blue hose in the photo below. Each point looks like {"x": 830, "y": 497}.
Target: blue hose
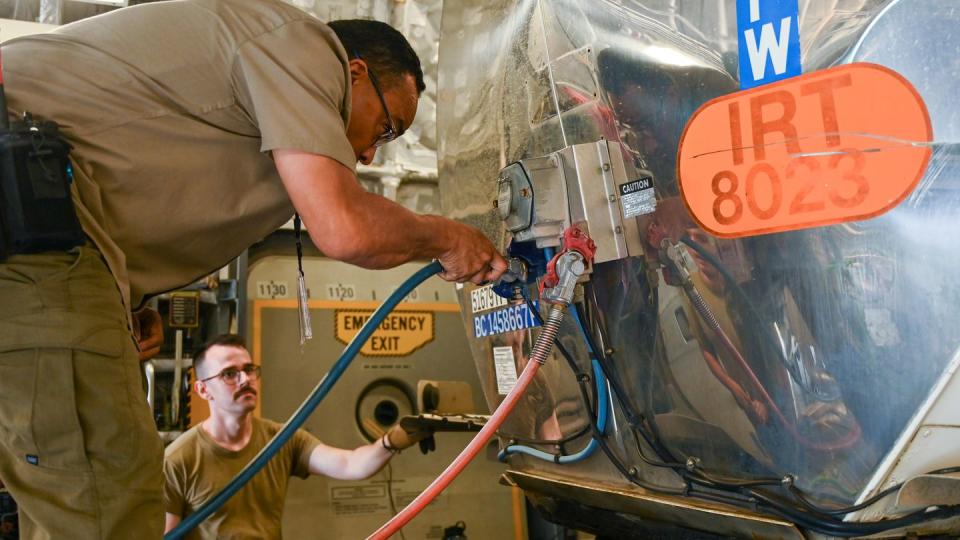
{"x": 306, "y": 409}
{"x": 589, "y": 448}
{"x": 602, "y": 405}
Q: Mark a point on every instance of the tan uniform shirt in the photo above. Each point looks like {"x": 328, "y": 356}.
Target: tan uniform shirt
{"x": 196, "y": 469}
{"x": 172, "y": 108}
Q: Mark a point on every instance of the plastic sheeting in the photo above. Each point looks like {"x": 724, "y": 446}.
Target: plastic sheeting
{"x": 842, "y": 330}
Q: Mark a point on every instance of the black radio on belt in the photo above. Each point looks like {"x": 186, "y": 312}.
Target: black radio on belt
{"x": 36, "y": 211}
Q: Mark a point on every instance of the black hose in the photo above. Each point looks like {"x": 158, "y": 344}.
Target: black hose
{"x": 806, "y": 514}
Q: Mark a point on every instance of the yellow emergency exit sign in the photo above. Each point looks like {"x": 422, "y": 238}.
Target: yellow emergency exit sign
{"x": 400, "y": 334}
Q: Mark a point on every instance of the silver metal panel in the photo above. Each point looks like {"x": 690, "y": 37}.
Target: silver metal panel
{"x": 593, "y": 198}
{"x": 927, "y": 490}
{"x": 549, "y": 201}
{"x": 715, "y": 518}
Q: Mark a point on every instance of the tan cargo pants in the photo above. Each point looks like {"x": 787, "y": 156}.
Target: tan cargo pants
{"x": 78, "y": 447}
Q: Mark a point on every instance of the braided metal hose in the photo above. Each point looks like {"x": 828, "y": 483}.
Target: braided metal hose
{"x": 551, "y": 327}
{"x": 702, "y": 308}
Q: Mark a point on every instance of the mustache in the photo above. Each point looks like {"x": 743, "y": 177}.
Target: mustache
{"x": 244, "y": 390}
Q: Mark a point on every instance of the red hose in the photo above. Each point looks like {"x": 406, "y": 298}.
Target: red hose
{"x": 842, "y": 443}
{"x": 465, "y": 457}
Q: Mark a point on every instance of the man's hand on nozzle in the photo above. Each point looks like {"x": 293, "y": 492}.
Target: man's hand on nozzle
{"x": 401, "y": 439}
{"x": 471, "y": 256}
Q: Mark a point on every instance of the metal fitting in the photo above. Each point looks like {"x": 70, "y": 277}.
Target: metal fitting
{"x": 570, "y": 266}
{"x": 676, "y": 257}
{"x": 509, "y": 283}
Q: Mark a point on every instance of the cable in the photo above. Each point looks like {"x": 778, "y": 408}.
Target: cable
{"x": 599, "y": 432}
{"x": 733, "y": 492}
{"x": 581, "y": 377}
{"x": 545, "y": 442}
{"x": 833, "y": 526}
{"x": 308, "y": 406}
{"x": 726, "y": 490}
{"x": 865, "y": 503}
{"x": 629, "y": 474}
{"x": 393, "y": 505}
{"x": 634, "y": 419}
{"x": 588, "y": 449}
{"x": 701, "y": 307}
{"x": 741, "y": 294}
{"x": 845, "y": 442}
{"x": 600, "y": 401}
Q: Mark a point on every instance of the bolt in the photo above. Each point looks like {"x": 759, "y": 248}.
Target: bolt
{"x": 618, "y": 229}
{"x": 524, "y": 192}
{"x": 633, "y": 471}
{"x": 606, "y": 166}
{"x": 692, "y": 463}
{"x": 787, "y": 480}
{"x": 613, "y": 198}
{"x": 926, "y": 433}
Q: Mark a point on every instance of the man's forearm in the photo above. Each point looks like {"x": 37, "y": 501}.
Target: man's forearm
{"x": 357, "y": 464}
{"x": 376, "y": 232}
{"x": 369, "y": 459}
{"x": 349, "y": 224}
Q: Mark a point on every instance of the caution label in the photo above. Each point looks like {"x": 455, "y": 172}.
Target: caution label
{"x": 400, "y": 334}
{"x": 637, "y": 197}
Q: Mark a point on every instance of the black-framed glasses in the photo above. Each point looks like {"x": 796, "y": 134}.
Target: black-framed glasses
{"x": 231, "y": 375}
{"x": 391, "y": 132}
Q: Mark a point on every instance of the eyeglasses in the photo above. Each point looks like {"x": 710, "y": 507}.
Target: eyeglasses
{"x": 390, "y": 133}
{"x": 231, "y": 375}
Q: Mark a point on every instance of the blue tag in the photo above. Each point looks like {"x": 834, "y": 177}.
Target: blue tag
{"x": 510, "y": 319}
{"x": 769, "y": 35}
{"x": 33, "y": 460}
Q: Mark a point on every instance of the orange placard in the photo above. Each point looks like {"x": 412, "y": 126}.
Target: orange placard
{"x": 842, "y": 144}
